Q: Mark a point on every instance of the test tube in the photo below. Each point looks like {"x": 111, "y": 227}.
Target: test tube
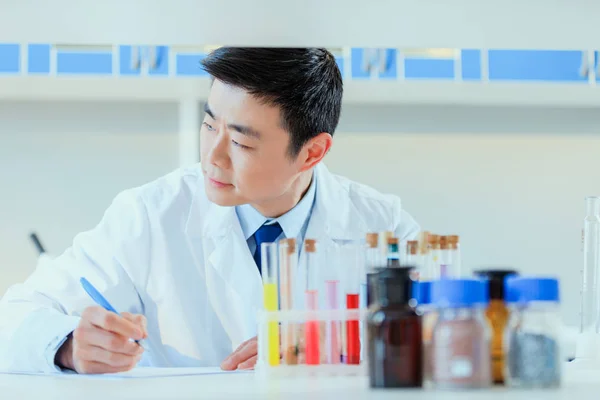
{"x": 372, "y": 262}
{"x": 445, "y": 260}
{"x": 590, "y": 285}
{"x": 288, "y": 259}
{"x": 332, "y": 293}
{"x": 413, "y": 259}
{"x": 455, "y": 254}
{"x": 270, "y": 259}
{"x": 433, "y": 259}
{"x": 383, "y": 245}
{"x": 312, "y": 330}
{"x": 353, "y": 257}
{"x": 393, "y": 254}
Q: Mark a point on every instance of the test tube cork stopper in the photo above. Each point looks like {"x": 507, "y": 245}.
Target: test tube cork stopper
{"x": 433, "y": 239}
{"x": 444, "y": 242}
{"x": 392, "y": 240}
{"x": 290, "y": 244}
{"x": 310, "y": 245}
{"x": 412, "y": 246}
{"x": 372, "y": 240}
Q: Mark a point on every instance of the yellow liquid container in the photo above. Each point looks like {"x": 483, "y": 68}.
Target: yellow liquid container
{"x": 497, "y": 315}
{"x": 270, "y": 304}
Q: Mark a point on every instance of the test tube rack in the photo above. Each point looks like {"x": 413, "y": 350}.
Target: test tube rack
{"x": 296, "y": 319}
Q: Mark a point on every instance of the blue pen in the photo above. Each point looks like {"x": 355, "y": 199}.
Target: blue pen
{"x": 100, "y": 300}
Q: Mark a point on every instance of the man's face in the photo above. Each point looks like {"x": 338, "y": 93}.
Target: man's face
{"x": 244, "y": 149}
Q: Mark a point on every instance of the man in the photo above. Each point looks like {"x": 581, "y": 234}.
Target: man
{"x": 179, "y": 257}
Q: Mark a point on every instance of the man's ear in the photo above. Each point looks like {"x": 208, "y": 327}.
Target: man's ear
{"x": 316, "y": 149}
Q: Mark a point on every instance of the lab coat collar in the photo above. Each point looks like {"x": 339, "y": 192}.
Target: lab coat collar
{"x": 291, "y": 222}
{"x": 333, "y": 214}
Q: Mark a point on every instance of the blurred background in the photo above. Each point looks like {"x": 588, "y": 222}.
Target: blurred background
{"x": 483, "y": 120}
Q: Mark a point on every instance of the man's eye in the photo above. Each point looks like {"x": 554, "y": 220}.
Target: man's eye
{"x": 239, "y": 145}
{"x": 208, "y": 126}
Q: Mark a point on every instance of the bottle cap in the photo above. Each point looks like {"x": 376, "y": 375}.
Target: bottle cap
{"x": 394, "y": 286}
{"x": 458, "y": 293}
{"x": 496, "y": 279}
{"x": 524, "y": 290}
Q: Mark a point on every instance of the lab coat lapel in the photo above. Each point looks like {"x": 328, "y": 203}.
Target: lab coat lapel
{"x": 334, "y": 217}
{"x": 333, "y": 220}
{"x": 233, "y": 284}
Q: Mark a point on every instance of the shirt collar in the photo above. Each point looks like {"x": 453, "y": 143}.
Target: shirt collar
{"x": 291, "y": 222}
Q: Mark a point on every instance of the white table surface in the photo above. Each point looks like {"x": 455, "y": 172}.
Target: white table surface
{"x": 576, "y": 386}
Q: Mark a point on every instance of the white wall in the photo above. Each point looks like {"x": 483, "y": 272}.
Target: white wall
{"x": 60, "y": 167}
{"x": 515, "y": 195}
{"x": 516, "y": 201}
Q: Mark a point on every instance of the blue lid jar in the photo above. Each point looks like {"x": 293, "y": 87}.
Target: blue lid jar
{"x": 457, "y": 293}
{"x": 525, "y": 289}
{"x": 422, "y": 293}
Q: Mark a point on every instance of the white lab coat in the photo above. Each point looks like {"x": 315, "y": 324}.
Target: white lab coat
{"x": 166, "y": 251}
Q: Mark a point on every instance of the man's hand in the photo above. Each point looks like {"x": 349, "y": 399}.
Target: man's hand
{"x": 244, "y": 357}
{"x": 101, "y": 343}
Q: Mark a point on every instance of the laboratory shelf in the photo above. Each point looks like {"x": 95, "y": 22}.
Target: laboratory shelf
{"x": 376, "y": 76}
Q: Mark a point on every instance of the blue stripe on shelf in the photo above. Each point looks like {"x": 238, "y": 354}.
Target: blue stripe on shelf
{"x": 189, "y": 65}
{"x": 340, "y": 63}
{"x": 38, "y": 56}
{"x": 471, "y": 64}
{"x": 391, "y": 69}
{"x": 535, "y": 65}
{"x": 162, "y": 62}
{"x": 10, "y": 58}
{"x": 427, "y": 68}
{"x": 356, "y": 64}
{"x": 97, "y": 63}
{"x": 126, "y": 63}
{"x": 391, "y": 65}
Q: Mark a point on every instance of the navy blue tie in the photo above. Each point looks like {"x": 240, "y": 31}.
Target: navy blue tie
{"x": 265, "y": 234}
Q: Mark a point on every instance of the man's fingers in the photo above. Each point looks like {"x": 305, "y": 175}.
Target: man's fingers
{"x": 242, "y": 345}
{"x": 100, "y": 355}
{"x": 242, "y": 354}
{"x": 94, "y": 336}
{"x": 138, "y": 320}
{"x": 249, "y": 363}
{"x": 112, "y": 322}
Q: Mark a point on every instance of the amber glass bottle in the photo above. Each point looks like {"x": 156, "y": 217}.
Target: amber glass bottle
{"x": 497, "y": 315}
{"x": 395, "y": 339}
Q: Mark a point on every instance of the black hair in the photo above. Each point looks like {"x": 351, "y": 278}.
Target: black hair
{"x": 305, "y": 83}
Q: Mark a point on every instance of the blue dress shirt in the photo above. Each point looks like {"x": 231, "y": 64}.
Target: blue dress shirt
{"x": 293, "y": 223}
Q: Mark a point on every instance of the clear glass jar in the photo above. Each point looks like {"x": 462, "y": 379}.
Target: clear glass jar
{"x": 532, "y": 338}
{"x": 460, "y": 341}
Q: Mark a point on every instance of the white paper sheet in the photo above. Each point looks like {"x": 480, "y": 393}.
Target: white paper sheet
{"x": 139, "y": 373}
